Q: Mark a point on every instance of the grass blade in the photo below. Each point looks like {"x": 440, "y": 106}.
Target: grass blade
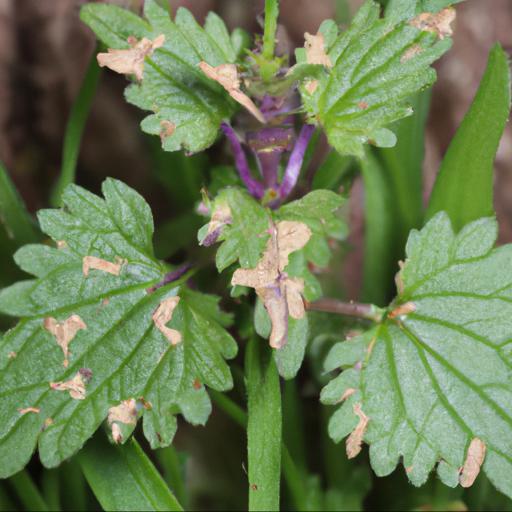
{"x": 263, "y": 427}
{"x": 123, "y": 477}
{"x": 464, "y": 186}
{"x": 27, "y": 492}
{"x": 13, "y": 214}
{"x": 75, "y": 128}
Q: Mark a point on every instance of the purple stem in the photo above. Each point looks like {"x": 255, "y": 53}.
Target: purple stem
{"x": 254, "y": 187}
{"x": 291, "y": 174}
{"x": 171, "y": 277}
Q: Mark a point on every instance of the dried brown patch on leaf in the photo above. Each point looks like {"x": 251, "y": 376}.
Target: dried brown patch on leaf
{"x": 363, "y": 105}
{"x": 311, "y": 86}
{"x": 95, "y": 263}
{"x": 61, "y": 244}
{"x": 438, "y": 23}
{"x": 402, "y": 310}
{"x": 221, "y": 217}
{"x": 315, "y": 50}
{"x": 474, "y": 460}
{"x": 64, "y": 332}
{"x": 162, "y": 315}
{"x": 411, "y": 52}
{"x": 355, "y": 439}
{"x": 126, "y": 413}
{"x": 348, "y": 392}
{"x": 76, "y": 385}
{"x": 166, "y": 129}
{"x": 131, "y": 61}
{"x": 11, "y": 355}
{"x": 35, "y": 410}
{"x": 281, "y": 294}
{"x": 227, "y": 76}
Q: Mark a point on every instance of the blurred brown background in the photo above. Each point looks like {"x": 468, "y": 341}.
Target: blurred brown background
{"x": 44, "y": 50}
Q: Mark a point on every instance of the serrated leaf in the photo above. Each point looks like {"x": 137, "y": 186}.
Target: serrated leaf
{"x": 122, "y": 353}
{"x": 173, "y": 86}
{"x": 376, "y": 65}
{"x": 318, "y": 211}
{"x": 404, "y": 9}
{"x": 437, "y": 373}
{"x": 244, "y": 233}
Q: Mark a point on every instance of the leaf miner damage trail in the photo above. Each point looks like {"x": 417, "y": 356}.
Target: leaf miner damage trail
{"x": 227, "y": 76}
{"x": 315, "y": 50}
{"x": 76, "y": 385}
{"x": 474, "y": 460}
{"x": 126, "y": 413}
{"x": 64, "y": 332}
{"x": 281, "y": 294}
{"x": 438, "y": 23}
{"x": 355, "y": 439}
{"x": 93, "y": 262}
{"x": 162, "y": 315}
{"x": 130, "y": 61}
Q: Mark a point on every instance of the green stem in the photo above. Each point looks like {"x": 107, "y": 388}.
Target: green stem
{"x": 75, "y": 128}
{"x": 293, "y": 477}
{"x": 269, "y": 33}
{"x": 27, "y": 491}
{"x": 264, "y": 427}
{"x": 13, "y": 214}
{"x": 50, "y": 485}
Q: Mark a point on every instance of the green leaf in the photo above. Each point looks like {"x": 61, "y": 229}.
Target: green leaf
{"x": 263, "y": 428}
{"x": 120, "y": 352}
{"x": 318, "y": 211}
{"x": 376, "y": 65}
{"x": 404, "y": 9}
{"x": 244, "y": 234}
{"x": 436, "y": 373}
{"x": 173, "y": 86}
{"x": 123, "y": 477}
{"x": 13, "y": 214}
{"x": 464, "y": 186}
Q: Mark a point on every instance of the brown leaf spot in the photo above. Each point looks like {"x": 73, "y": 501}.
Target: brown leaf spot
{"x": 315, "y": 50}
{"x": 281, "y": 295}
{"x": 254, "y": 487}
{"x": 61, "y": 244}
{"x": 35, "y": 410}
{"x": 125, "y": 412}
{"x": 64, "y": 332}
{"x": 411, "y": 52}
{"x": 75, "y": 386}
{"x": 130, "y": 61}
{"x": 93, "y": 262}
{"x": 311, "y": 86}
{"x": 166, "y": 129}
{"x": 197, "y": 384}
{"x": 162, "y": 315}
{"x": 227, "y": 76}
{"x": 363, "y": 105}
{"x": 439, "y": 23}
{"x": 105, "y": 301}
{"x": 474, "y": 460}
{"x": 402, "y": 310}
{"x": 47, "y": 423}
{"x": 12, "y": 355}
{"x": 355, "y": 439}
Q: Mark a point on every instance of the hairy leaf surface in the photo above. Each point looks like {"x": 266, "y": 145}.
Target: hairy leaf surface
{"x": 118, "y": 346}
{"x": 375, "y": 65}
{"x": 183, "y": 100}
{"x": 436, "y": 374}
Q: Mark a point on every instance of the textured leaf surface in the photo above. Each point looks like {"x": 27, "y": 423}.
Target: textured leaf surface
{"x": 376, "y": 65}
{"x": 404, "y": 9}
{"x": 432, "y": 380}
{"x": 124, "y": 352}
{"x": 173, "y": 86}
